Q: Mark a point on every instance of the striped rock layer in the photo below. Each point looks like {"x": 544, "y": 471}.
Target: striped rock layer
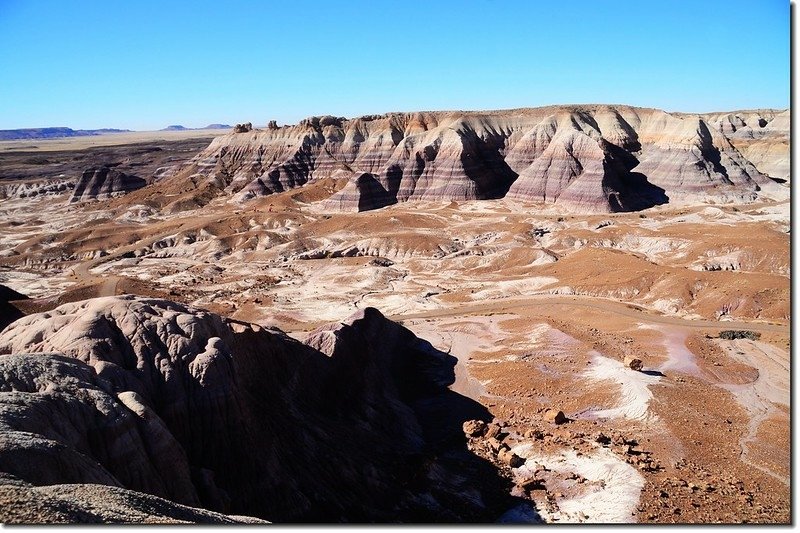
{"x": 595, "y": 158}
{"x": 102, "y": 182}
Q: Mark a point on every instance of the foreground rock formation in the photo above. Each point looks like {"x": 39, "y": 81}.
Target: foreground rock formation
{"x": 155, "y": 397}
{"x": 23, "y": 503}
{"x": 591, "y": 158}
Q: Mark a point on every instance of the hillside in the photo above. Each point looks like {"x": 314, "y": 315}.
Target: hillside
{"x": 592, "y": 158}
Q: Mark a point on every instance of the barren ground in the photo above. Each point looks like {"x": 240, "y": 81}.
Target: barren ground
{"x": 539, "y": 307}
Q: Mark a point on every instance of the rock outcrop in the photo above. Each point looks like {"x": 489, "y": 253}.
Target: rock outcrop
{"x": 23, "y": 503}
{"x": 591, "y": 158}
{"x": 764, "y": 143}
{"x": 634, "y": 363}
{"x": 100, "y": 183}
{"x": 34, "y": 189}
{"x": 152, "y": 396}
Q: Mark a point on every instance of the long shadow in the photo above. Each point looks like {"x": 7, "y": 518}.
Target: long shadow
{"x": 8, "y": 311}
{"x": 485, "y": 165}
{"x": 441, "y": 411}
{"x": 635, "y": 190}
{"x": 423, "y": 383}
{"x": 372, "y": 194}
{"x": 640, "y": 193}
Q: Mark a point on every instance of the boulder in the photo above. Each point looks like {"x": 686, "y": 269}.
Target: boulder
{"x": 510, "y": 458}
{"x": 555, "y": 417}
{"x": 633, "y": 363}
{"x": 381, "y": 262}
{"x": 474, "y": 428}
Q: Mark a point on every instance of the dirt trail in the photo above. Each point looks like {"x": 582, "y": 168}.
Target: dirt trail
{"x": 109, "y": 287}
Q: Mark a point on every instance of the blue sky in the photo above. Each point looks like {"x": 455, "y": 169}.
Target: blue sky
{"x": 145, "y": 64}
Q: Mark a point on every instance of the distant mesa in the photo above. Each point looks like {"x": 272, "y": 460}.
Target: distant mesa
{"x": 60, "y": 132}
{"x": 178, "y": 127}
{"x": 587, "y": 158}
{"x": 53, "y": 133}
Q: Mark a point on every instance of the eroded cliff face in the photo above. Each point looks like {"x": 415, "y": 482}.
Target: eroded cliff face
{"x": 99, "y": 183}
{"x": 156, "y": 397}
{"x": 765, "y": 143}
{"x": 588, "y": 158}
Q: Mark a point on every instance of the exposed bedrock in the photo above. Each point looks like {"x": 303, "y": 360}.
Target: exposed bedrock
{"x": 152, "y": 396}
{"x": 23, "y": 503}
{"x": 764, "y": 143}
{"x": 99, "y": 183}
{"x": 593, "y": 158}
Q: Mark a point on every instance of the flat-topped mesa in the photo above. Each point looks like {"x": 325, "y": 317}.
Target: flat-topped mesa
{"x": 100, "y": 183}
{"x": 600, "y": 158}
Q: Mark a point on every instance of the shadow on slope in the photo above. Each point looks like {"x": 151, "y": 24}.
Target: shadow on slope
{"x": 635, "y": 190}
{"x": 423, "y": 378}
{"x": 357, "y": 424}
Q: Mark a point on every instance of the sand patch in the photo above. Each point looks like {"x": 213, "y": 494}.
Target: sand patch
{"x": 610, "y": 496}
{"x": 634, "y": 389}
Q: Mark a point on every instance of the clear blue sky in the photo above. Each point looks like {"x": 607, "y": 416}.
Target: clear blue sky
{"x": 143, "y": 64}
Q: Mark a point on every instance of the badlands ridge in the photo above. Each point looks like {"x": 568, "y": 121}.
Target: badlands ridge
{"x": 583, "y": 158}
{"x": 411, "y": 317}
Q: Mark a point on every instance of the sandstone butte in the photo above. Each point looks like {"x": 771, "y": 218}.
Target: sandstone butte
{"x": 586, "y": 158}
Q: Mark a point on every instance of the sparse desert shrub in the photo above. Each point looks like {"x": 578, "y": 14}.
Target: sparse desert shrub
{"x": 733, "y": 334}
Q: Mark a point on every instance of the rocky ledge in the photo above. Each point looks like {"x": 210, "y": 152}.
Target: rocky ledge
{"x": 146, "y": 395}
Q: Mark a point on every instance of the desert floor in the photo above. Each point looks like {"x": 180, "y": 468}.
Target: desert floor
{"x": 539, "y": 307}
